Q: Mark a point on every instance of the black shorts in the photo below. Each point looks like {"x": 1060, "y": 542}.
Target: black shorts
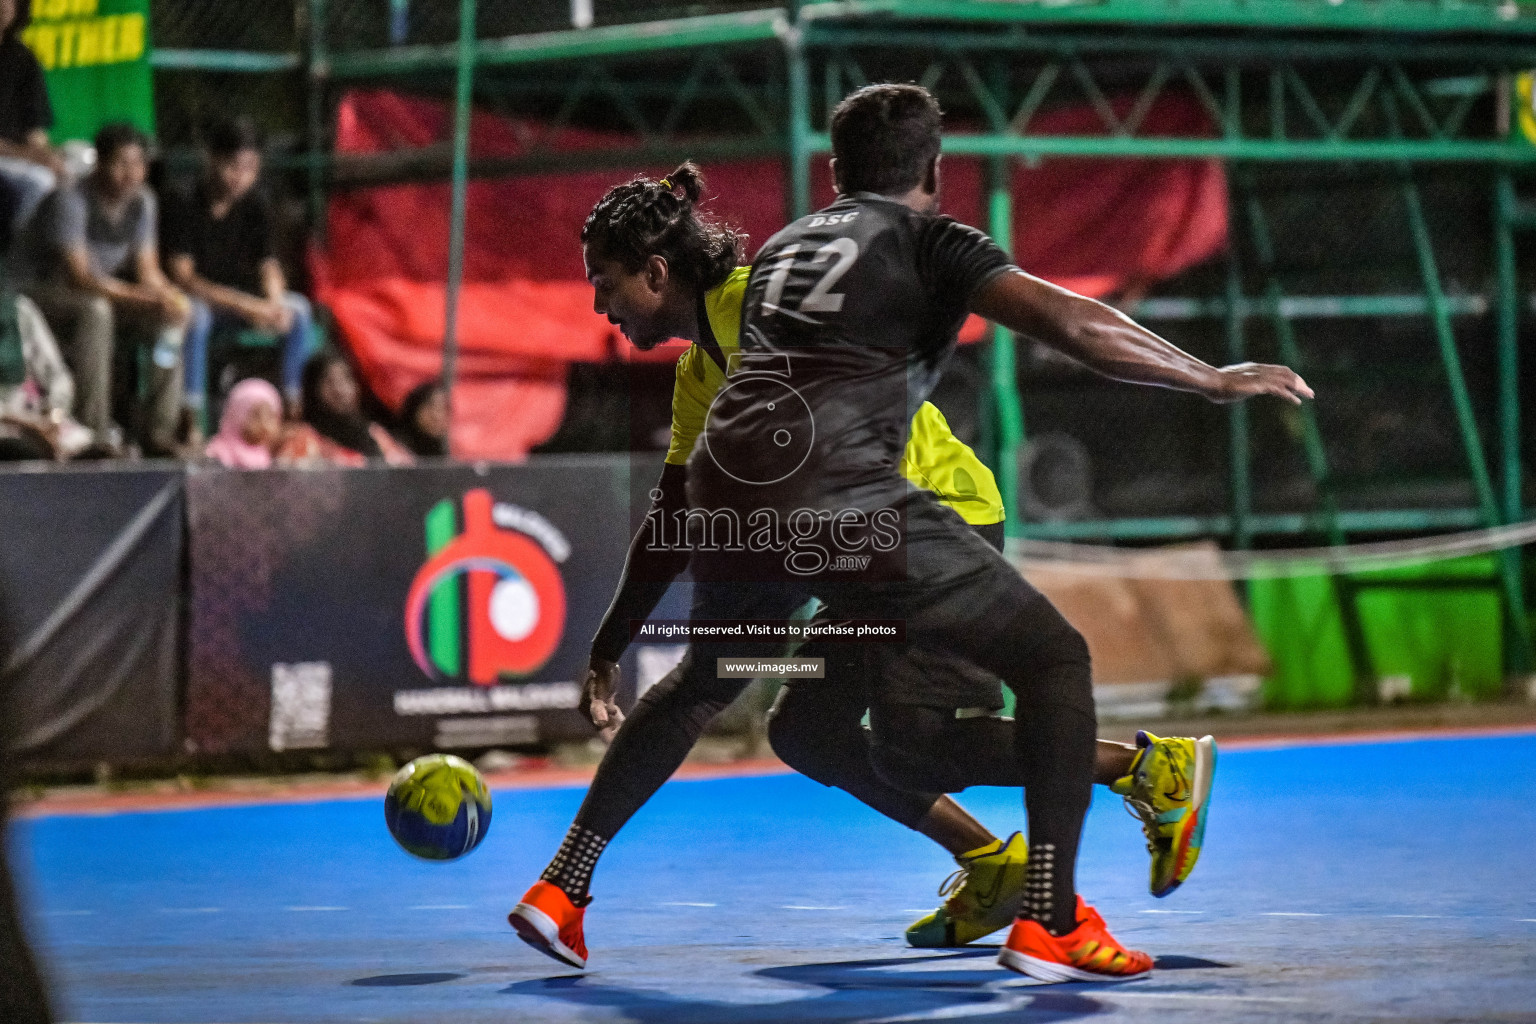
{"x": 899, "y": 673}
{"x": 956, "y": 597}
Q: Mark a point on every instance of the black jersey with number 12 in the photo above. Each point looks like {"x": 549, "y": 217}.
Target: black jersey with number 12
{"x": 848, "y": 320}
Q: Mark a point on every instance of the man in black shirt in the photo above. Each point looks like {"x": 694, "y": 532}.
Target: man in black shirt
{"x": 29, "y": 168}
{"x": 850, "y": 316}
{"x": 217, "y": 242}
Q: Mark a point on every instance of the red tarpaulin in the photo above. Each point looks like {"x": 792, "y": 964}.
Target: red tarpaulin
{"x": 525, "y": 311}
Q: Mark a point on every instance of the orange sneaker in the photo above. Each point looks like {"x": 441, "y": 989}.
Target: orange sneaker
{"x": 548, "y": 921}
{"x": 1087, "y": 953}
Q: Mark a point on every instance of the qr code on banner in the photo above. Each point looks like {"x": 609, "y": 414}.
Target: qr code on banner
{"x": 301, "y": 706}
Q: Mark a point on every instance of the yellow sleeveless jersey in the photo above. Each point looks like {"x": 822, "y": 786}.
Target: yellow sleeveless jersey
{"x": 934, "y": 460}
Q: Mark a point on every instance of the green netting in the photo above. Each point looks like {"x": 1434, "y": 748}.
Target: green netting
{"x": 186, "y": 101}
{"x": 359, "y": 24}
{"x": 210, "y": 25}
{"x": 356, "y": 24}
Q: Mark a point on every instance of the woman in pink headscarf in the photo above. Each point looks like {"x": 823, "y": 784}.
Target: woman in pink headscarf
{"x": 250, "y": 428}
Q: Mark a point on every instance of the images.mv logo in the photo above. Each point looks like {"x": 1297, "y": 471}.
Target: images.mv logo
{"x": 489, "y": 602}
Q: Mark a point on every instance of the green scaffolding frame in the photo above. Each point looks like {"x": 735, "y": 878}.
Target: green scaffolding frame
{"x": 1267, "y": 73}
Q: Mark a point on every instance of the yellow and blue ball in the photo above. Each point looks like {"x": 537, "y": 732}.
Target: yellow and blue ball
{"x": 438, "y": 807}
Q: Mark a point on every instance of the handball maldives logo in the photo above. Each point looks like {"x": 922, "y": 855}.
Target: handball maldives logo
{"x": 489, "y": 602}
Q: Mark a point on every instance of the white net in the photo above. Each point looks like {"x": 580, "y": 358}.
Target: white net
{"x": 1207, "y": 562}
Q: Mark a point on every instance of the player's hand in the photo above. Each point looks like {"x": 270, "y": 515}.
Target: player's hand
{"x": 597, "y": 697}
{"x": 1247, "y": 380}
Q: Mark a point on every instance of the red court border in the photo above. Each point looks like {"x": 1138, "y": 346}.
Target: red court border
{"x": 545, "y": 776}
{"x": 537, "y": 776}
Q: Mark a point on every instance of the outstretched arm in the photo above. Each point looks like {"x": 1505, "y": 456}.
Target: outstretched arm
{"x": 1111, "y": 343}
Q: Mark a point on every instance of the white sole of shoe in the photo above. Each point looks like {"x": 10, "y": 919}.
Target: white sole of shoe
{"x": 1046, "y": 970}
{"x": 1205, "y": 771}
{"x": 539, "y": 930}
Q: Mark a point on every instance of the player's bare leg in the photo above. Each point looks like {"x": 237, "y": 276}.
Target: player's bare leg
{"x": 1113, "y": 761}
{"x": 952, "y": 827}
{"x": 959, "y": 833}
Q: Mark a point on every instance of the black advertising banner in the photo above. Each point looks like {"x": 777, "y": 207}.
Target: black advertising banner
{"x": 90, "y": 611}
{"x": 448, "y": 607}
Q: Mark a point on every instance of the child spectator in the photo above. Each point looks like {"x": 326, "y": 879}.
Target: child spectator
{"x": 250, "y": 427}
{"x": 217, "y": 241}
{"x": 335, "y": 430}
{"x": 29, "y": 168}
{"x": 424, "y": 421}
{"x": 90, "y": 261}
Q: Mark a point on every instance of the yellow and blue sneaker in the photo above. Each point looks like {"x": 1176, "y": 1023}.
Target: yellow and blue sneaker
{"x": 1169, "y": 789}
{"x": 984, "y": 895}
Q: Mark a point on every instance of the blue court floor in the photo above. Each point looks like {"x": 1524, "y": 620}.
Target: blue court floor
{"x": 1375, "y": 881}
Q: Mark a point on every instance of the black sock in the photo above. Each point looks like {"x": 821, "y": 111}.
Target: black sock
{"x": 1060, "y": 766}
{"x": 571, "y": 870}
{"x": 1056, "y": 805}
{"x": 1044, "y": 896}
{"x": 1054, "y": 738}
{"x": 654, "y": 740}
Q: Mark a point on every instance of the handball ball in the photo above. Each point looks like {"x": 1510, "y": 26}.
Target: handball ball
{"x": 438, "y": 807}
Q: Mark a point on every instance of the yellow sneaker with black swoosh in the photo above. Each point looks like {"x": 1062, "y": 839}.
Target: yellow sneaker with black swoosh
{"x": 983, "y": 896}
{"x": 1169, "y": 789}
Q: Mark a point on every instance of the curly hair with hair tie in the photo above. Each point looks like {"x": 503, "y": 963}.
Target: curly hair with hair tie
{"x": 647, "y": 217}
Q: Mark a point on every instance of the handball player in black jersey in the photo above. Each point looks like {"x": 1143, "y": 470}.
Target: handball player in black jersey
{"x": 850, "y": 315}
{"x": 659, "y": 270}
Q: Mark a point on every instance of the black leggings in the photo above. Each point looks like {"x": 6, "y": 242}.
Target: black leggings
{"x": 899, "y": 766}
{"x": 652, "y": 744}
{"x": 956, "y": 595}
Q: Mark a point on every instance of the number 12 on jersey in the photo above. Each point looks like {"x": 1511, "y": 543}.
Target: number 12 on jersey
{"x": 838, "y": 255}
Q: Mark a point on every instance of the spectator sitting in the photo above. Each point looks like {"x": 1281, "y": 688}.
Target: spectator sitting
{"x": 29, "y": 168}
{"x": 217, "y": 242}
{"x": 36, "y": 391}
{"x": 250, "y": 427}
{"x": 424, "y": 421}
{"x": 89, "y": 260}
{"x": 335, "y": 430}
{"x": 27, "y": 377}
